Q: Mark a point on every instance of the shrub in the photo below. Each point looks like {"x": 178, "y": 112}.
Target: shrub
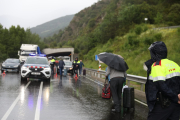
{"x": 132, "y": 40}
{"x": 158, "y": 36}
{"x": 148, "y": 40}
{"x": 109, "y": 51}
{"x": 145, "y": 29}
{"x": 138, "y": 30}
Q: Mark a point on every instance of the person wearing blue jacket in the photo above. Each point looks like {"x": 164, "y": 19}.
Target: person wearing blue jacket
{"x": 80, "y": 67}
{"x": 61, "y": 66}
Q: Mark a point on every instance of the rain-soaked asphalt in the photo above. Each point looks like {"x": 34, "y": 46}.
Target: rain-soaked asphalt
{"x": 61, "y": 99}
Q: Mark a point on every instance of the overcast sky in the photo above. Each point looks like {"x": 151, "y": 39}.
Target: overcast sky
{"x": 30, "y": 13}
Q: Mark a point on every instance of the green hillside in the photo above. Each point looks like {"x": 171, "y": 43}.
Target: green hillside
{"x": 118, "y": 26}
{"x": 52, "y": 27}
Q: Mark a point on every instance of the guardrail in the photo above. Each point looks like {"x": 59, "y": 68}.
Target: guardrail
{"x": 134, "y": 78}
{"x": 169, "y": 27}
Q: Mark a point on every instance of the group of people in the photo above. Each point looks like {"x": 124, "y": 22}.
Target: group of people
{"x": 77, "y": 65}
{"x": 162, "y": 87}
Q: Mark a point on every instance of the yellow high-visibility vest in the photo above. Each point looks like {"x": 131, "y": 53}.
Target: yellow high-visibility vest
{"x": 164, "y": 70}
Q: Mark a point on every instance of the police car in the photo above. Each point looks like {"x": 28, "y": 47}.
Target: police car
{"x": 36, "y": 67}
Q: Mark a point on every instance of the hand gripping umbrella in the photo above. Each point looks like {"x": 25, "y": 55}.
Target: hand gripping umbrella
{"x": 113, "y": 61}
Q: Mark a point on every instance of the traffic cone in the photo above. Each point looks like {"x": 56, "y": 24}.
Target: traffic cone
{"x": 4, "y": 72}
{"x": 76, "y": 76}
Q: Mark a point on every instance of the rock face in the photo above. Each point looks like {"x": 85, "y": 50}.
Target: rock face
{"x": 81, "y": 20}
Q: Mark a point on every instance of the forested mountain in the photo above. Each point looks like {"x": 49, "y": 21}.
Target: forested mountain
{"x": 52, "y": 27}
{"x": 12, "y": 38}
{"x": 107, "y": 19}
{"x": 118, "y": 26}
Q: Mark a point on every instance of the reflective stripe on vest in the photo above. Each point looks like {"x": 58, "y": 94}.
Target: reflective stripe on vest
{"x": 77, "y": 62}
{"x": 165, "y": 70}
{"x": 52, "y": 60}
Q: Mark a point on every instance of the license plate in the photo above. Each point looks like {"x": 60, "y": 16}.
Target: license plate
{"x": 9, "y": 70}
{"x": 35, "y": 73}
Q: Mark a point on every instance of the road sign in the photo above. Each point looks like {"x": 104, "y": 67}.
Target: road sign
{"x": 96, "y": 58}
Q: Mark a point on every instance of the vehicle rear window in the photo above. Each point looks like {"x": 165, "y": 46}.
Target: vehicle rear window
{"x": 12, "y": 61}
{"x": 68, "y": 63}
{"x": 35, "y": 60}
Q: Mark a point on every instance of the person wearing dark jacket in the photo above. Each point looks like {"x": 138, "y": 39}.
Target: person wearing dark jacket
{"x": 52, "y": 63}
{"x": 80, "y": 67}
{"x": 61, "y": 66}
{"x": 163, "y": 84}
{"x": 76, "y": 65}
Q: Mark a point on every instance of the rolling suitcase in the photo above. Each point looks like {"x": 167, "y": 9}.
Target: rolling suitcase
{"x": 84, "y": 71}
{"x": 106, "y": 91}
{"x": 65, "y": 72}
{"x": 128, "y": 98}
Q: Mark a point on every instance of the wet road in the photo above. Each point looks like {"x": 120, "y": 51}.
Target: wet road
{"x": 61, "y": 99}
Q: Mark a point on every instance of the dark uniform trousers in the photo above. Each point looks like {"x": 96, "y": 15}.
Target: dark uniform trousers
{"x": 116, "y": 85}
{"x": 170, "y": 113}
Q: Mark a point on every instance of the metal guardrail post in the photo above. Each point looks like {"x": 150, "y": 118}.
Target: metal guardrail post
{"x": 128, "y": 83}
{"x": 142, "y": 87}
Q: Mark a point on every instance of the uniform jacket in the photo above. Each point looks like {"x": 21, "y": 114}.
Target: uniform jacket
{"x": 162, "y": 76}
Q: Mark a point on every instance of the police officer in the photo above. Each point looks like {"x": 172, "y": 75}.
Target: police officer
{"x": 163, "y": 84}
{"x": 76, "y": 65}
{"x": 52, "y": 65}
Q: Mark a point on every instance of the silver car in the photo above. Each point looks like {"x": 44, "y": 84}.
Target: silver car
{"x": 36, "y": 67}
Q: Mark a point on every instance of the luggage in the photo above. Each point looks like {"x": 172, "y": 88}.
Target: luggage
{"x": 65, "y": 72}
{"x": 84, "y": 71}
{"x": 106, "y": 91}
{"x": 128, "y": 97}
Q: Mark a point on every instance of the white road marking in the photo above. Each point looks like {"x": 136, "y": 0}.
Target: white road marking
{"x": 94, "y": 81}
{"x": 38, "y": 106}
{"x": 103, "y": 85}
{"x": 13, "y": 104}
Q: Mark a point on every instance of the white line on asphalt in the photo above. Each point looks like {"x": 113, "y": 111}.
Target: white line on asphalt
{"x": 38, "y": 106}
{"x": 94, "y": 81}
{"x": 141, "y": 102}
{"x": 134, "y": 99}
{"x": 14, "y": 103}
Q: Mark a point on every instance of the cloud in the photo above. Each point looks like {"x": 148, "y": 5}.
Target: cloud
{"x": 30, "y": 13}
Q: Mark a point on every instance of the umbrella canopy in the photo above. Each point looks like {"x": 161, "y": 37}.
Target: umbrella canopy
{"x": 113, "y": 61}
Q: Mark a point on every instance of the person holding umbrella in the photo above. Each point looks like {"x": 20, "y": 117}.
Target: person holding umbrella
{"x": 117, "y": 68}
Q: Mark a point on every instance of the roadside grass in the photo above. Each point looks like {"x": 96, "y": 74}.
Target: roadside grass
{"x": 136, "y": 53}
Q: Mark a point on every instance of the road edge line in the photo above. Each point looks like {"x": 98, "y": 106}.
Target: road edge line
{"x": 37, "y": 113}
{"x": 13, "y": 104}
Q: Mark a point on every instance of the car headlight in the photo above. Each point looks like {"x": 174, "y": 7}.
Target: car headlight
{"x": 70, "y": 68}
{"x": 47, "y": 68}
{"x": 16, "y": 66}
{"x": 3, "y": 65}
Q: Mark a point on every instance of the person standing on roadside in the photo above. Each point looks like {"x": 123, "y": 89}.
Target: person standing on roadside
{"x": 76, "y": 66}
{"x": 163, "y": 84}
{"x": 52, "y": 65}
{"x": 61, "y": 66}
{"x": 117, "y": 78}
{"x": 81, "y": 65}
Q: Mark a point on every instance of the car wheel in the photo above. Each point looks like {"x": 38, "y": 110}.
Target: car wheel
{"x": 23, "y": 79}
{"x": 18, "y": 71}
{"x": 2, "y": 71}
{"x": 48, "y": 80}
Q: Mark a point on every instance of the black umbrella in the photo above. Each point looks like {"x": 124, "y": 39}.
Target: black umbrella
{"x": 113, "y": 61}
